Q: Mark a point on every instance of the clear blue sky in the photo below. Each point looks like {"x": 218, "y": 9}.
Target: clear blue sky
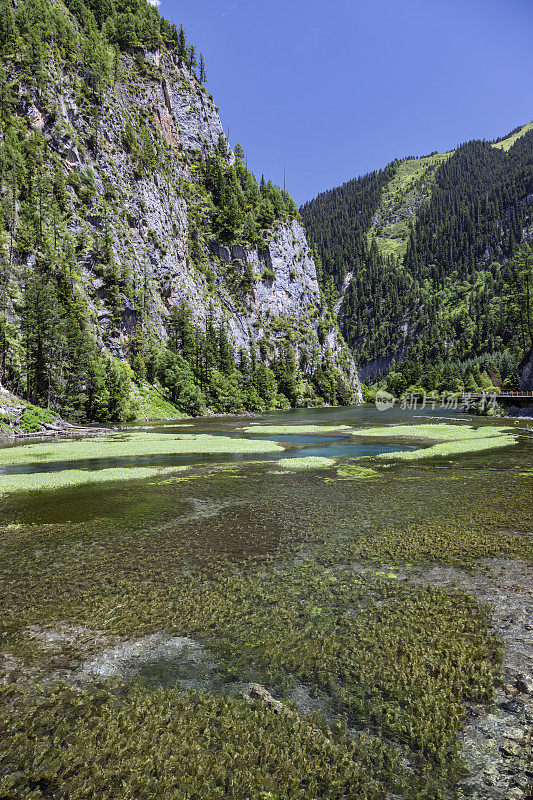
{"x": 336, "y": 88}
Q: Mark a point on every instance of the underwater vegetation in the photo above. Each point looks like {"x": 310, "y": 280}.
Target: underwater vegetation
{"x": 40, "y": 481}
{"x": 131, "y": 444}
{"x": 102, "y": 746}
{"x": 319, "y": 599}
{"x": 297, "y": 429}
{"x": 347, "y": 472}
{"x": 397, "y": 659}
{"x": 454, "y": 440}
{"x": 348, "y": 636}
{"x": 306, "y": 462}
{"x": 455, "y": 448}
{"x": 440, "y": 431}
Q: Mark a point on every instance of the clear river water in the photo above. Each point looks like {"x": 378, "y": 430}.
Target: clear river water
{"x": 322, "y": 565}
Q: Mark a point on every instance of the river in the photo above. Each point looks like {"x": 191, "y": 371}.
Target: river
{"x": 356, "y": 567}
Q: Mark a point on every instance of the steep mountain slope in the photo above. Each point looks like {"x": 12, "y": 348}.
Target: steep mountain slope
{"x": 401, "y": 198}
{"x": 428, "y": 277}
{"x": 135, "y": 244}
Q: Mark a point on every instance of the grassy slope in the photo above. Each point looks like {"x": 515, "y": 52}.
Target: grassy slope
{"x": 151, "y": 404}
{"x": 410, "y": 187}
{"x": 505, "y": 144}
{"x": 19, "y": 416}
{"x": 400, "y": 199}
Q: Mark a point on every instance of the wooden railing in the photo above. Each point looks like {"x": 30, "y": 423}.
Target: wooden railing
{"x": 515, "y": 394}
{"x": 496, "y": 395}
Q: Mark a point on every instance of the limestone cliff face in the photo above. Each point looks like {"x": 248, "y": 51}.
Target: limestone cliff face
{"x": 151, "y": 216}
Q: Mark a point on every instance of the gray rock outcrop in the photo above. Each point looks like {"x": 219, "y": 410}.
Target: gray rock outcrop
{"x": 152, "y": 215}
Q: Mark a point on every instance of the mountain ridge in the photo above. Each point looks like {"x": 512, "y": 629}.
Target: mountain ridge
{"x": 129, "y": 216}
{"x": 424, "y": 226}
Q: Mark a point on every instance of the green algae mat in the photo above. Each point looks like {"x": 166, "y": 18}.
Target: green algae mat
{"x": 132, "y": 444}
{"x": 453, "y": 440}
{"x": 293, "y": 573}
{"x": 95, "y": 453}
{"x": 46, "y": 481}
{"x": 297, "y": 429}
{"x": 306, "y": 462}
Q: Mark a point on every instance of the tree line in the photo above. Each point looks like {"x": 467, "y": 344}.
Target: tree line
{"x": 458, "y": 293}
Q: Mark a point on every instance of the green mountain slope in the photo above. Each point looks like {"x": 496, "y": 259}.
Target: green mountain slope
{"x": 429, "y": 276}
{"x": 401, "y": 197}
{"x": 510, "y": 139}
{"x": 135, "y": 245}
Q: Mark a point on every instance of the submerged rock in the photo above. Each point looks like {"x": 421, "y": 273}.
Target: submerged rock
{"x": 258, "y": 692}
{"x": 496, "y": 750}
{"x": 155, "y": 657}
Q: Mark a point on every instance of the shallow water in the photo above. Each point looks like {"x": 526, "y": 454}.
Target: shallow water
{"x": 333, "y": 447}
{"x": 255, "y": 508}
{"x": 297, "y": 445}
{"x": 121, "y": 557}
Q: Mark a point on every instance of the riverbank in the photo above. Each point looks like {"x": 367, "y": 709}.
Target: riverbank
{"x": 19, "y": 419}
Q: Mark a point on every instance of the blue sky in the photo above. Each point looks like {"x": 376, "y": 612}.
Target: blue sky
{"x": 335, "y": 88}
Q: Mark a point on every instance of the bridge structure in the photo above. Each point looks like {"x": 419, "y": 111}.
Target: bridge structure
{"x": 472, "y": 400}
{"x": 498, "y": 395}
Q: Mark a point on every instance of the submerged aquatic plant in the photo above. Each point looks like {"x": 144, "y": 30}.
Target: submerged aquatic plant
{"x": 132, "y": 444}
{"x": 297, "y": 429}
{"x": 456, "y": 448}
{"x": 355, "y": 473}
{"x": 102, "y": 746}
{"x": 306, "y": 462}
{"x": 435, "y": 430}
{"x": 325, "y": 612}
{"x": 43, "y": 481}
{"x": 453, "y": 439}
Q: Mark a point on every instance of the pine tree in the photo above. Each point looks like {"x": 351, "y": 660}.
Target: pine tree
{"x": 191, "y": 57}
{"x": 203, "y": 74}
{"x": 40, "y": 331}
{"x": 7, "y": 26}
{"x": 182, "y": 43}
{"x": 211, "y": 353}
{"x": 181, "y": 332}
{"x": 225, "y": 349}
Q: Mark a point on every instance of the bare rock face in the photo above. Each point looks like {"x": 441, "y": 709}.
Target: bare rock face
{"x": 294, "y": 289}
{"x": 152, "y": 214}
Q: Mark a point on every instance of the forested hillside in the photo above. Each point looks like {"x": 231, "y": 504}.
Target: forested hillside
{"x": 136, "y": 248}
{"x": 434, "y": 271}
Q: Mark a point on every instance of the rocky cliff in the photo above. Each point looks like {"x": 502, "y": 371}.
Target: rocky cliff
{"x": 153, "y": 210}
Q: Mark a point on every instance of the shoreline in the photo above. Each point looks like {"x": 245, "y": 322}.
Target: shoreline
{"x": 66, "y": 429}
{"x": 63, "y": 429}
